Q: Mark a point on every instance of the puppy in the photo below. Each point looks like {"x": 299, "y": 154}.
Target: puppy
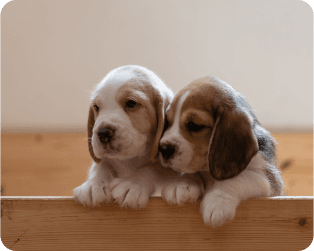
{"x": 212, "y": 132}
{"x": 125, "y": 123}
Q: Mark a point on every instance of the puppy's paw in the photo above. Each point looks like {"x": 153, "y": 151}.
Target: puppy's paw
{"x": 181, "y": 191}
{"x": 92, "y": 194}
{"x": 130, "y": 193}
{"x": 218, "y": 209}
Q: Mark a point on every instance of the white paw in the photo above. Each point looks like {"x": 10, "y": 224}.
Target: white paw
{"x": 130, "y": 193}
{"x": 181, "y": 191}
{"x": 92, "y": 194}
{"x": 218, "y": 209}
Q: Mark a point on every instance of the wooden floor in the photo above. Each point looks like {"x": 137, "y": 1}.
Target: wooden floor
{"x": 54, "y": 164}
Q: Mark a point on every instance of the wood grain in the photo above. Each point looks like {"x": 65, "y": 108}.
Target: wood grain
{"x": 54, "y": 164}
{"x": 58, "y": 223}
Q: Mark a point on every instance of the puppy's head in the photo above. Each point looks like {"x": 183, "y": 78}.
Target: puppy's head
{"x": 208, "y": 127}
{"x": 126, "y": 116}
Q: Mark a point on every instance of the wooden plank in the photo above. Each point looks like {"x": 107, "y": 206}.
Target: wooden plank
{"x": 54, "y": 164}
{"x": 58, "y": 223}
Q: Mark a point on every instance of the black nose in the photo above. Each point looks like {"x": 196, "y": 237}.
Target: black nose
{"x": 167, "y": 150}
{"x": 105, "y": 134}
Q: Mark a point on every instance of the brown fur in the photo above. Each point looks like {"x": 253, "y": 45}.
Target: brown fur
{"x": 90, "y": 127}
{"x": 143, "y": 116}
{"x": 234, "y": 143}
{"x": 148, "y": 118}
{"x": 233, "y": 146}
{"x": 215, "y": 127}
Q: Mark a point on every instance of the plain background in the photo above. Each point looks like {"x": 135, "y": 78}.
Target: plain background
{"x": 55, "y": 52}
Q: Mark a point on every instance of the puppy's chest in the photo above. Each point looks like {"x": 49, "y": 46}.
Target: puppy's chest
{"x": 123, "y": 170}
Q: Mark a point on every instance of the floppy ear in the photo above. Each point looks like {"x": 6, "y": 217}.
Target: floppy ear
{"x": 160, "y": 103}
{"x": 232, "y": 144}
{"x": 90, "y": 126}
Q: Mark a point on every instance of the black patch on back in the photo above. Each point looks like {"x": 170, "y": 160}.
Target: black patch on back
{"x": 266, "y": 143}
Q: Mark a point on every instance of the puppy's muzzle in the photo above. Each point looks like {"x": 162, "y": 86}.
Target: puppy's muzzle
{"x": 105, "y": 134}
{"x": 167, "y": 150}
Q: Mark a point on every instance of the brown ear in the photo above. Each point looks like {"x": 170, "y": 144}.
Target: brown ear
{"x": 90, "y": 126}
{"x": 161, "y": 103}
{"x": 232, "y": 145}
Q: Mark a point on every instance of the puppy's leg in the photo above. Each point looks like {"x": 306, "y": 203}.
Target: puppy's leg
{"x": 184, "y": 188}
{"x": 223, "y": 197}
{"x": 135, "y": 190}
{"x": 95, "y": 190}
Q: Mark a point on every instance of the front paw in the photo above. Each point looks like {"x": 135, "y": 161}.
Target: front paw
{"x": 92, "y": 194}
{"x": 130, "y": 193}
{"x": 181, "y": 191}
{"x": 218, "y": 209}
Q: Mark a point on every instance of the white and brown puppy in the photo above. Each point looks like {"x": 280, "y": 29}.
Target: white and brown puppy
{"x": 213, "y": 133}
{"x": 125, "y": 123}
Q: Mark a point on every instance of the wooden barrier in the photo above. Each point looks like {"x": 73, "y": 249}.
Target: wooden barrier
{"x": 58, "y": 223}
{"x": 54, "y": 164}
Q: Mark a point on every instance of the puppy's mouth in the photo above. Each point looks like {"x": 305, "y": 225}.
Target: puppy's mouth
{"x": 168, "y": 163}
{"x": 173, "y": 167}
{"x": 109, "y": 149}
{"x": 120, "y": 145}
{"x": 176, "y": 165}
{"x": 165, "y": 163}
{"x": 168, "y": 159}
{"x": 119, "y": 151}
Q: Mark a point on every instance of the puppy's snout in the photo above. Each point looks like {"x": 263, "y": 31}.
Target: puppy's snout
{"x": 167, "y": 150}
{"x": 105, "y": 134}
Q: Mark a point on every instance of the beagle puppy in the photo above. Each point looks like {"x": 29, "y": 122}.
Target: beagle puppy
{"x": 212, "y": 132}
{"x": 125, "y": 123}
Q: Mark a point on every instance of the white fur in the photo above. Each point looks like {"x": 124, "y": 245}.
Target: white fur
{"x": 187, "y": 188}
{"x": 128, "y": 176}
{"x": 223, "y": 197}
{"x": 185, "y": 151}
{"x": 95, "y": 190}
{"x": 111, "y": 113}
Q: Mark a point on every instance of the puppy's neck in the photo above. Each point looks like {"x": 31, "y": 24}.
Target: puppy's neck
{"x": 127, "y": 167}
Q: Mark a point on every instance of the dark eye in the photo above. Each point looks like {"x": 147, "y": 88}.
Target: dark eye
{"x": 96, "y": 108}
{"x": 131, "y": 104}
{"x": 194, "y": 127}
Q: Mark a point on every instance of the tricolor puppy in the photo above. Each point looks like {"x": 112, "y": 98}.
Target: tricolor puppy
{"x": 125, "y": 123}
{"x": 212, "y": 132}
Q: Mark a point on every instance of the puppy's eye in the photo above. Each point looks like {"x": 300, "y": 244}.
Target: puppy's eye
{"x": 194, "y": 127}
{"x": 131, "y": 104}
{"x": 96, "y": 108}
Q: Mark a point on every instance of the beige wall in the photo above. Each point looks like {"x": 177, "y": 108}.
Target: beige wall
{"x": 54, "y": 52}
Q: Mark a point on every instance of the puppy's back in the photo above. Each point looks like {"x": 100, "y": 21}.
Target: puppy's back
{"x": 267, "y": 148}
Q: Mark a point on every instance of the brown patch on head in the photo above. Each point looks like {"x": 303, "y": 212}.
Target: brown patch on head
{"x": 233, "y": 144}
{"x": 148, "y": 116}
{"x": 90, "y": 127}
